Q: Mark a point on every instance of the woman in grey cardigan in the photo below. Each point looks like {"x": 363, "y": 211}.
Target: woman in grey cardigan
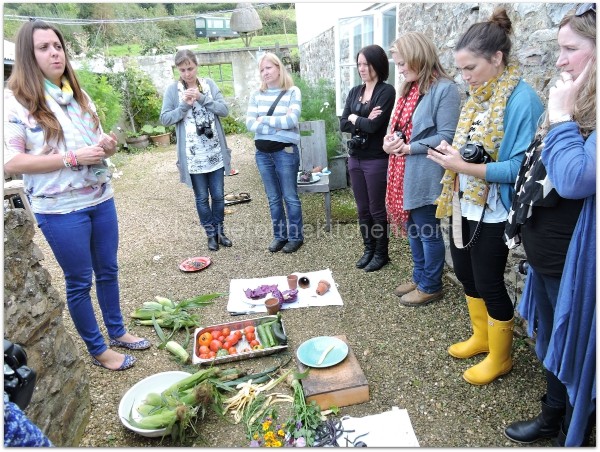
{"x": 426, "y": 113}
{"x": 194, "y": 105}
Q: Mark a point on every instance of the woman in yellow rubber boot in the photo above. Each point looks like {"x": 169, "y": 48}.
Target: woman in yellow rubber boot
{"x": 496, "y": 125}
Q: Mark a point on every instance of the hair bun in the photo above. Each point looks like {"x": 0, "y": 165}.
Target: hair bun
{"x": 500, "y": 18}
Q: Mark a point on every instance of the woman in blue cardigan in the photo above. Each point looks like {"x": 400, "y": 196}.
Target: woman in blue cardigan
{"x": 559, "y": 298}
{"x": 497, "y": 123}
{"x": 426, "y": 113}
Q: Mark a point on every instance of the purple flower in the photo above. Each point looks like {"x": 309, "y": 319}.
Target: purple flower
{"x": 254, "y": 443}
{"x": 300, "y": 442}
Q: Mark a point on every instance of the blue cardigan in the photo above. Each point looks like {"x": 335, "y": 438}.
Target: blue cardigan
{"x": 523, "y": 112}
{"x": 571, "y": 352}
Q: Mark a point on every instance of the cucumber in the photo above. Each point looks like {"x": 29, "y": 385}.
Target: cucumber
{"x": 262, "y": 337}
{"x": 278, "y": 333}
{"x": 272, "y": 341}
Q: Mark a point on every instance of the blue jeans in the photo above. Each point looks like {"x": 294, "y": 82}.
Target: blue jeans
{"x": 211, "y": 213}
{"x": 428, "y": 249}
{"x": 85, "y": 244}
{"x": 279, "y": 173}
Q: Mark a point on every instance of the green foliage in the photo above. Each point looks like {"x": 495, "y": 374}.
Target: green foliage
{"x": 318, "y": 102}
{"x": 140, "y": 100}
{"x": 277, "y": 20}
{"x": 153, "y": 130}
{"x": 104, "y": 96}
{"x": 232, "y": 126}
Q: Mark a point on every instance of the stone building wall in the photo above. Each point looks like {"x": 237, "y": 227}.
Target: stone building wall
{"x": 33, "y": 318}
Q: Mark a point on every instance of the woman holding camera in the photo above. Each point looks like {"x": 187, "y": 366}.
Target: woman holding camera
{"x": 559, "y": 298}
{"x": 53, "y": 136}
{"x": 366, "y": 115}
{"x": 496, "y": 125}
{"x": 426, "y": 113}
{"x": 273, "y": 115}
{"x": 194, "y": 104}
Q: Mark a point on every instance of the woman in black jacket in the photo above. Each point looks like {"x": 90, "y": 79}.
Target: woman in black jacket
{"x": 366, "y": 116}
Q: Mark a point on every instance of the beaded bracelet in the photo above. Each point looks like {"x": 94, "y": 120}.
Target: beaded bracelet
{"x": 70, "y": 161}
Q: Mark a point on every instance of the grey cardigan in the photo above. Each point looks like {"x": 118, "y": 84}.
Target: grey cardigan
{"x": 434, "y": 120}
{"x": 174, "y": 111}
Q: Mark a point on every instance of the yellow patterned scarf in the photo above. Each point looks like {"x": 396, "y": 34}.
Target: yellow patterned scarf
{"x": 487, "y": 103}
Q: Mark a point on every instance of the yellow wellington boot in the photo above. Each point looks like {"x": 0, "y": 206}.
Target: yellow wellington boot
{"x": 478, "y": 342}
{"x": 498, "y": 361}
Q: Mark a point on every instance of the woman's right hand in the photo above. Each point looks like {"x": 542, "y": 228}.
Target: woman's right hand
{"x": 392, "y": 144}
{"x": 90, "y": 155}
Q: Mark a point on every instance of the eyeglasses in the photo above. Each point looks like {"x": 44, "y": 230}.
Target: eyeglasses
{"x": 584, "y": 8}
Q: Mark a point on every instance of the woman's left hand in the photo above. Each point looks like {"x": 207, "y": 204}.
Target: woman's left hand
{"x": 108, "y": 143}
{"x": 374, "y": 113}
{"x": 447, "y": 157}
{"x": 563, "y": 94}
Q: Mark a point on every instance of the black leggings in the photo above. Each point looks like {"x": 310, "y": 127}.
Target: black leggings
{"x": 480, "y": 269}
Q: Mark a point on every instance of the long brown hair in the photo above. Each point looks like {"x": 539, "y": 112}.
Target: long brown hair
{"x": 27, "y": 82}
{"x": 420, "y": 55}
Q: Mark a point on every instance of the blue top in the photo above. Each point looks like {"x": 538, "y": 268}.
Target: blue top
{"x": 19, "y": 431}
{"x": 571, "y": 352}
{"x": 523, "y": 112}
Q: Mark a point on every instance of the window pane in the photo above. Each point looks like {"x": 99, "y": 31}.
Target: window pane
{"x": 389, "y": 28}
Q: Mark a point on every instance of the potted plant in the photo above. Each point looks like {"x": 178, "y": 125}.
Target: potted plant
{"x": 137, "y": 139}
{"x": 158, "y": 134}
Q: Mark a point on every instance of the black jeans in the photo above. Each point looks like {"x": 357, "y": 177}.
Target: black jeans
{"x": 480, "y": 269}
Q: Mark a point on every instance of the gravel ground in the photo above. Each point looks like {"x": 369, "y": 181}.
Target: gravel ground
{"x": 401, "y": 350}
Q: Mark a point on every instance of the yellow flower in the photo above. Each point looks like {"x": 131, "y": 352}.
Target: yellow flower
{"x": 255, "y": 436}
{"x": 280, "y": 432}
{"x": 277, "y": 443}
{"x": 266, "y": 425}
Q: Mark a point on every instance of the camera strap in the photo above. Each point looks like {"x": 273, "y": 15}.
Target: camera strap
{"x": 272, "y": 109}
{"x": 457, "y": 219}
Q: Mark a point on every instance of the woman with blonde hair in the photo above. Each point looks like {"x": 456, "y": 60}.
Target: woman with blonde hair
{"x": 273, "y": 115}
{"x": 497, "y": 123}
{"x": 559, "y": 298}
{"x": 53, "y": 136}
{"x": 426, "y": 113}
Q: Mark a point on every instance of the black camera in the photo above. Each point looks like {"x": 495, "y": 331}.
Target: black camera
{"x": 204, "y": 129}
{"x": 523, "y": 266}
{"x": 400, "y": 134}
{"x": 19, "y": 380}
{"x": 358, "y": 141}
{"x": 475, "y": 153}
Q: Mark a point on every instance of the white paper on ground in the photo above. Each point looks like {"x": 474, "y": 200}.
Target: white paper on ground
{"x": 388, "y": 429}
{"x": 238, "y": 302}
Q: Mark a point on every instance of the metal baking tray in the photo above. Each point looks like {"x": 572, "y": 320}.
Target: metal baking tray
{"x": 240, "y": 345}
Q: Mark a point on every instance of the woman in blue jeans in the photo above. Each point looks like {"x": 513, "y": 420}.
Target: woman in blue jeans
{"x": 59, "y": 147}
{"x": 413, "y": 179}
{"x": 273, "y": 115}
{"x": 194, "y": 104}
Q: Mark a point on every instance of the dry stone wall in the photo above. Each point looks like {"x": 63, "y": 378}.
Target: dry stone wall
{"x": 33, "y": 312}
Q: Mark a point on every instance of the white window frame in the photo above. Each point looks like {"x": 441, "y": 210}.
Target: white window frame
{"x": 377, "y": 13}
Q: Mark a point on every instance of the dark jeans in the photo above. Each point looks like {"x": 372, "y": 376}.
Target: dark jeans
{"x": 85, "y": 244}
{"x": 480, "y": 269}
{"x": 209, "y": 190}
{"x": 369, "y": 183}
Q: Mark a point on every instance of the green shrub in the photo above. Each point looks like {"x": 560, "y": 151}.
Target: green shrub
{"x": 318, "y": 102}
{"x": 104, "y": 96}
{"x": 233, "y": 126}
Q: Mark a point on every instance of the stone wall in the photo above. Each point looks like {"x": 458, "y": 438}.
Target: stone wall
{"x": 33, "y": 312}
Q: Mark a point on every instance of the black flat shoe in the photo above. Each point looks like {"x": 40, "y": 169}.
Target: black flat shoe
{"x": 292, "y": 246}
{"x": 276, "y": 245}
{"x": 223, "y": 240}
{"x": 212, "y": 243}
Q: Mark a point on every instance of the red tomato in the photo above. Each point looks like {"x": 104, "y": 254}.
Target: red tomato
{"x": 238, "y": 334}
{"x": 215, "y": 345}
{"x": 232, "y": 350}
{"x": 212, "y": 354}
{"x": 204, "y": 356}
{"x": 226, "y": 345}
{"x": 226, "y": 331}
{"x": 253, "y": 343}
{"x": 204, "y": 349}
{"x": 216, "y": 333}
{"x": 250, "y": 337}
{"x": 221, "y": 338}
{"x": 249, "y": 329}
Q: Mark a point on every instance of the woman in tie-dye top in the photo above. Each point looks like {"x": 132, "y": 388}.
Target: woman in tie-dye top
{"x": 53, "y": 137}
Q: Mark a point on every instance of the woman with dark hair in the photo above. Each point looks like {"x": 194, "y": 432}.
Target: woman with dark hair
{"x": 194, "y": 104}
{"x": 557, "y": 224}
{"x": 52, "y": 135}
{"x": 366, "y": 115}
{"x": 496, "y": 125}
{"x": 426, "y": 113}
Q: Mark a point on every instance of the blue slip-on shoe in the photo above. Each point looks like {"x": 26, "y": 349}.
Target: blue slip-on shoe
{"x": 127, "y": 363}
{"x": 142, "y": 344}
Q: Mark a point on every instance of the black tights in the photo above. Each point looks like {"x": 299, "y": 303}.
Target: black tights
{"x": 480, "y": 269}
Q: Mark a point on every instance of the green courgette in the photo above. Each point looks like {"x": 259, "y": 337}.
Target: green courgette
{"x": 262, "y": 337}
{"x": 272, "y": 341}
{"x": 278, "y": 334}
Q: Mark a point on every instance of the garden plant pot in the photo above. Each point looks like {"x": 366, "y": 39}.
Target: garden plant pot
{"x": 163, "y": 139}
{"x": 140, "y": 142}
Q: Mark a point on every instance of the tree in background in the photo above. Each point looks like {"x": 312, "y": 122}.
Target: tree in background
{"x": 106, "y": 98}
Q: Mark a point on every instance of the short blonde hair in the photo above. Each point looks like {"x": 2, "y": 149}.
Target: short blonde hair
{"x": 285, "y": 79}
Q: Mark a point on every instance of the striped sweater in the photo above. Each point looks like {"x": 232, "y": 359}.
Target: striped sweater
{"x": 282, "y": 125}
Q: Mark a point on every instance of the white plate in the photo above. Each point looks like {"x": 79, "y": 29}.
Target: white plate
{"x": 314, "y": 178}
{"x": 310, "y": 351}
{"x": 138, "y": 392}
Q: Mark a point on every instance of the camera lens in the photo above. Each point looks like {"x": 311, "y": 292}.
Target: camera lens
{"x": 208, "y": 132}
